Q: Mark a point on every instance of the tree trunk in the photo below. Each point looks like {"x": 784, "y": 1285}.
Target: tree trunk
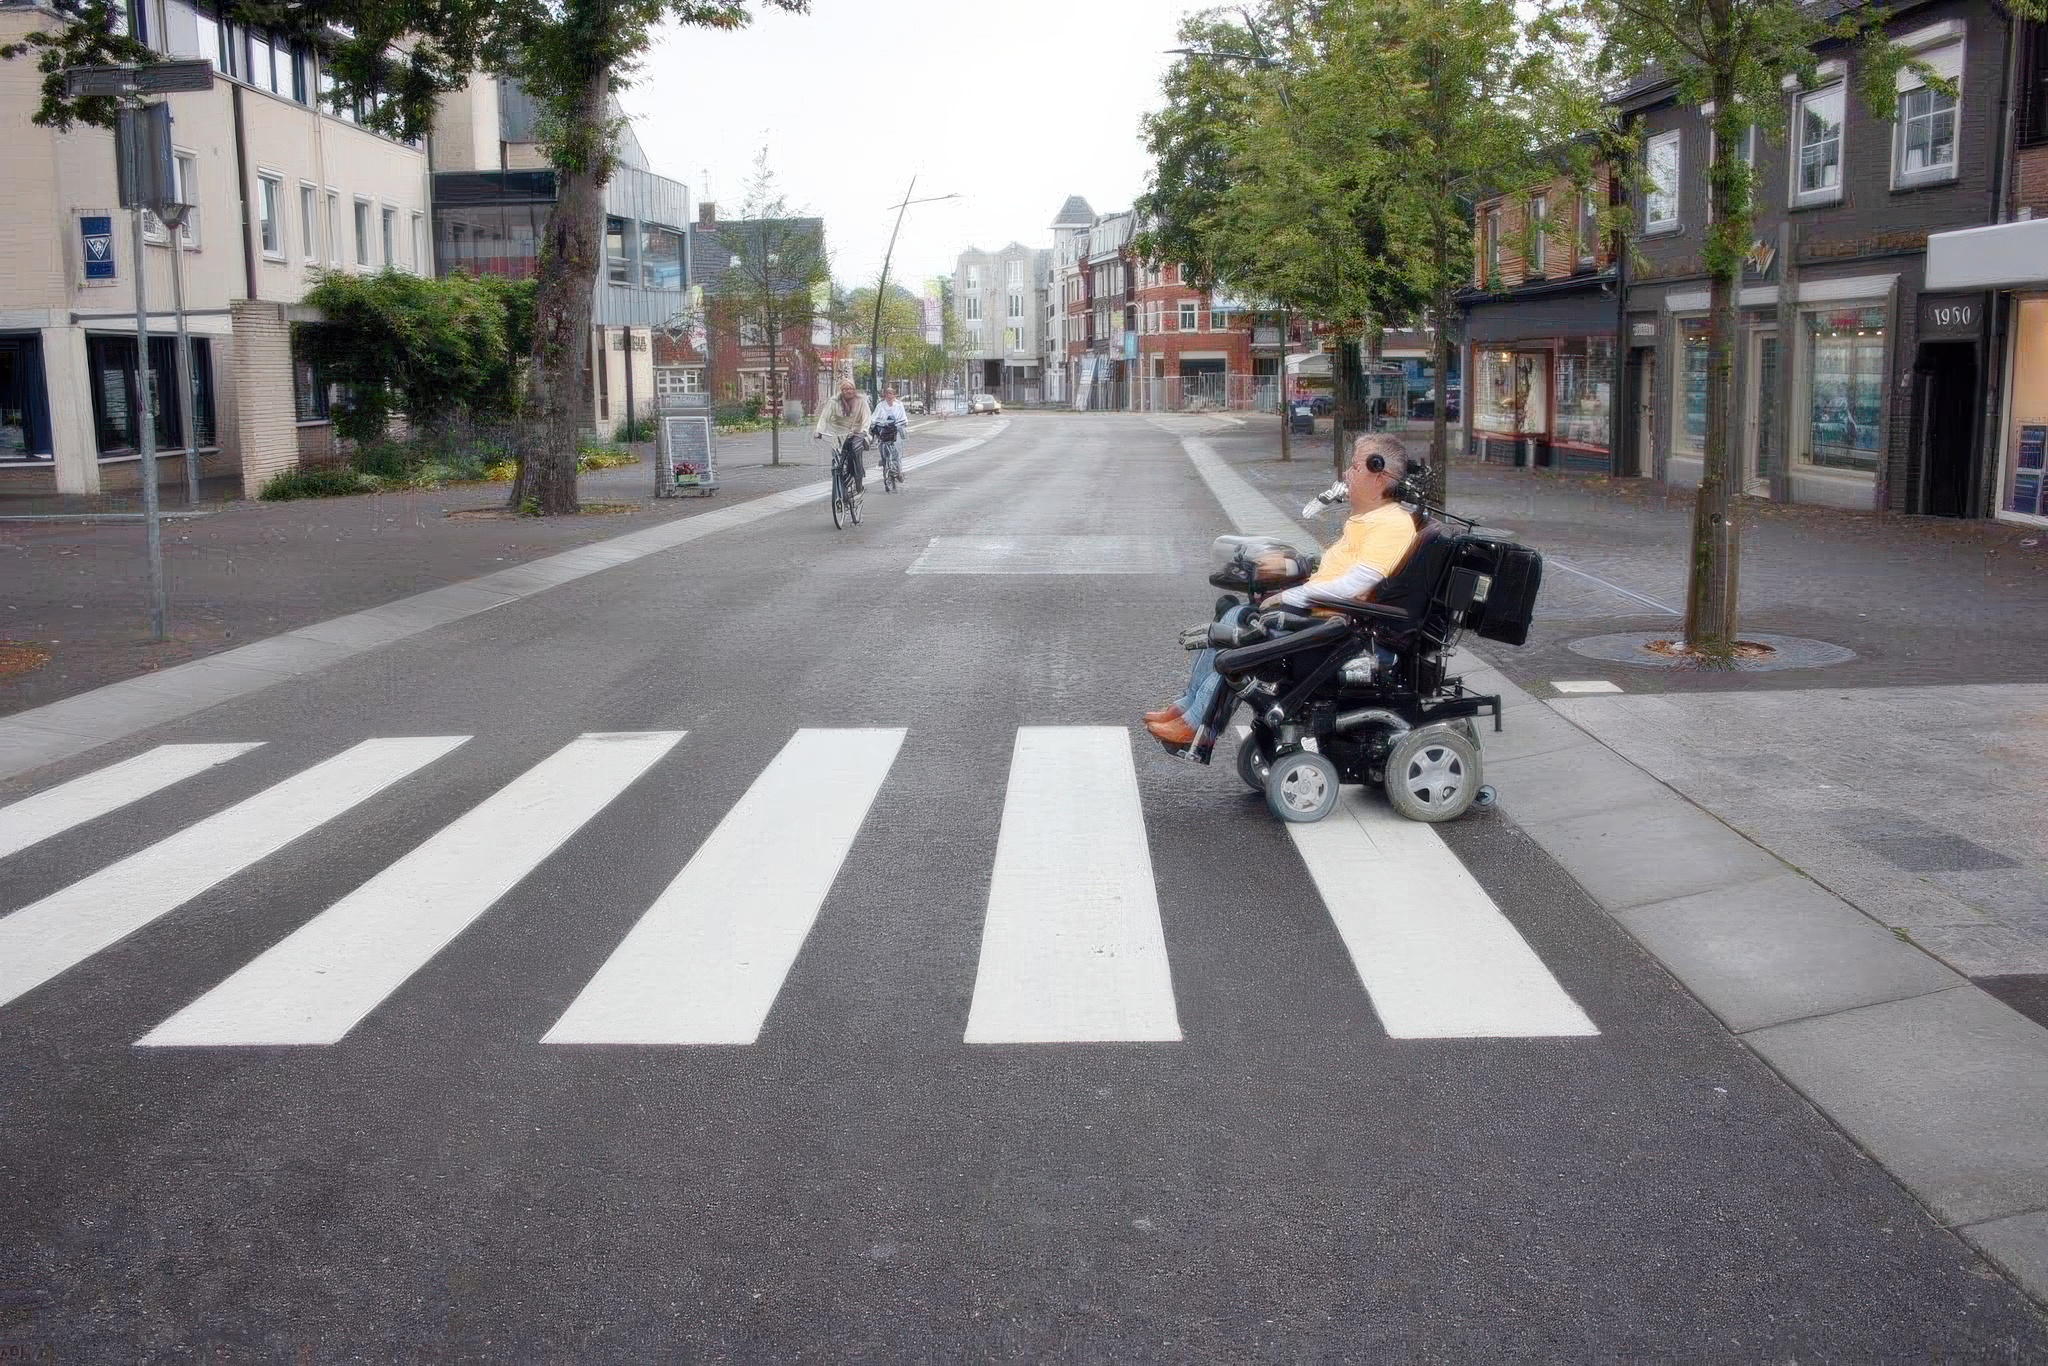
{"x": 560, "y": 395}
{"x": 773, "y": 396}
{"x": 1710, "y": 596}
{"x": 1286, "y": 404}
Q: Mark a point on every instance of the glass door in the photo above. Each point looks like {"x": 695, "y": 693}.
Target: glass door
{"x": 1763, "y": 431}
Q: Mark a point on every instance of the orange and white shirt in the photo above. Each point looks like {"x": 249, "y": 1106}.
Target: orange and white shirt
{"x": 1372, "y": 547}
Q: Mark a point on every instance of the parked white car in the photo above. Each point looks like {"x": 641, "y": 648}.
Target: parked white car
{"x": 984, "y": 403}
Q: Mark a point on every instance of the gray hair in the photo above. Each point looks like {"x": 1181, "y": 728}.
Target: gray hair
{"x": 1381, "y": 443}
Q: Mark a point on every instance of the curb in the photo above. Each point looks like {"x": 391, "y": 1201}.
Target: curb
{"x": 1942, "y": 1084}
{"x": 63, "y": 729}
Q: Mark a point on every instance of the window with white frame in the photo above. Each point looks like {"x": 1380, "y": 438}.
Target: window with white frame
{"x": 974, "y": 308}
{"x": 1817, "y": 131}
{"x": 309, "y": 222}
{"x": 1492, "y": 246}
{"x": 1015, "y": 273}
{"x": 1016, "y": 303}
{"x": 1927, "y": 136}
{"x": 1539, "y": 226}
{"x": 362, "y": 232}
{"x": 420, "y": 256}
{"x": 1187, "y": 315}
{"x": 1589, "y": 230}
{"x": 270, "y": 228}
{"x": 1660, "y": 200}
{"x": 334, "y": 227}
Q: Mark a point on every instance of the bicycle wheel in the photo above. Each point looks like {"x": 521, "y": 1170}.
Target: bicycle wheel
{"x": 853, "y": 504}
{"x": 888, "y": 474}
{"x": 838, "y": 499}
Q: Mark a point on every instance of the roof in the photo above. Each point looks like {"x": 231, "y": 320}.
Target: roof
{"x": 1075, "y": 213}
{"x": 711, "y": 255}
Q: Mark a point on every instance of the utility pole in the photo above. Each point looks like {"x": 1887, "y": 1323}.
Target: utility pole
{"x": 148, "y": 182}
{"x": 882, "y": 289}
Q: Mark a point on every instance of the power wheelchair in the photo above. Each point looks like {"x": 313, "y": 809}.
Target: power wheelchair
{"x": 1359, "y": 693}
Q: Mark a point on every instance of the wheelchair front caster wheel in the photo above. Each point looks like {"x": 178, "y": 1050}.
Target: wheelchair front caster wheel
{"x": 1251, "y": 765}
{"x": 1484, "y": 798}
{"x": 1433, "y": 774}
{"x": 1301, "y": 787}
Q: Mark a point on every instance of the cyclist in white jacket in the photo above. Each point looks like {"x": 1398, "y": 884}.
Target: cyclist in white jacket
{"x": 891, "y": 409}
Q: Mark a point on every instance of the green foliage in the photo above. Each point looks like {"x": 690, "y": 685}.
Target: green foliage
{"x": 601, "y": 455}
{"x": 774, "y": 264}
{"x": 427, "y": 348}
{"x": 634, "y": 429}
{"x": 316, "y": 481}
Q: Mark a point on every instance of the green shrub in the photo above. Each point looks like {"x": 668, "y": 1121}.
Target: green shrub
{"x": 635, "y": 429}
{"x": 318, "y": 481}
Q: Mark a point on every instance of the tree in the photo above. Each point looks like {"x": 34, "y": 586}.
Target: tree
{"x": 1738, "y": 56}
{"x": 902, "y": 329}
{"x": 392, "y": 60}
{"x": 424, "y": 347}
{"x": 775, "y": 263}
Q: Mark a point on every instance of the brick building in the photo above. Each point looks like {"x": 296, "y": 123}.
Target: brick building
{"x": 1860, "y": 381}
{"x": 1539, "y": 324}
{"x": 1195, "y": 348}
{"x": 2006, "y": 266}
{"x": 729, "y": 357}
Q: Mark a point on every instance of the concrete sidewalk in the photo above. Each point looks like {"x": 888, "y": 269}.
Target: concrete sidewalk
{"x": 1793, "y": 856}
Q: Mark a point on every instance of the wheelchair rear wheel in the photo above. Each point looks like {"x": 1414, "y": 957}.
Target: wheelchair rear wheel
{"x": 1434, "y": 774}
{"x": 1301, "y": 787}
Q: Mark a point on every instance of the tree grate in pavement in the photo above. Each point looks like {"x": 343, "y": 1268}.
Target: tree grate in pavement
{"x": 1787, "y": 652}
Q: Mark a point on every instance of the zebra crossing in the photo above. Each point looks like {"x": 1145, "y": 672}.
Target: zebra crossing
{"x": 1073, "y": 946}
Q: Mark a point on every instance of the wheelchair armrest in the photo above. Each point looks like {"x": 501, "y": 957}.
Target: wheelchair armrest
{"x": 1368, "y": 611}
{"x": 1281, "y": 619}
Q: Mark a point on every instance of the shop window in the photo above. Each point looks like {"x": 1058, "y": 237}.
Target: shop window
{"x": 110, "y": 362}
{"x": 1845, "y": 387}
{"x": 1585, "y": 392}
{"x": 1513, "y": 387}
{"x": 1689, "y": 419}
{"x": 1817, "y": 124}
{"x": 2025, "y": 490}
{"x": 1660, "y": 200}
{"x": 24, "y": 400}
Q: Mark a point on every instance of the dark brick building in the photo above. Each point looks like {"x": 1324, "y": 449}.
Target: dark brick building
{"x": 1856, "y": 384}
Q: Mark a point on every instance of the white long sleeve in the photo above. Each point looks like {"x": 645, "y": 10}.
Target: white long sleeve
{"x": 1350, "y": 586}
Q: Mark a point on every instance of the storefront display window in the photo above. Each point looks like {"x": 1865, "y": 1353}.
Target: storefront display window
{"x": 1845, "y": 387}
{"x": 1512, "y": 392}
{"x": 1585, "y": 392}
{"x": 110, "y": 361}
{"x": 1689, "y": 424}
{"x": 2025, "y": 488}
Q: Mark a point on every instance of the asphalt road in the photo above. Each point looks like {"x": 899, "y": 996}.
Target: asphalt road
{"x": 384, "y": 1111}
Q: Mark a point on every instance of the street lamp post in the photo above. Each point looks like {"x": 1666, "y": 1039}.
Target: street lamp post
{"x": 882, "y": 289}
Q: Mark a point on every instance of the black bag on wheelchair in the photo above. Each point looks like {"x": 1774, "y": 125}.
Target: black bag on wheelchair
{"x": 1510, "y": 576}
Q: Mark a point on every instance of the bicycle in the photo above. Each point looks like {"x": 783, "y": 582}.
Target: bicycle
{"x": 889, "y": 437}
{"x": 846, "y": 484}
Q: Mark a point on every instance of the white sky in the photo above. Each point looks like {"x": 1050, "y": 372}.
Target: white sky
{"x": 1014, "y": 104}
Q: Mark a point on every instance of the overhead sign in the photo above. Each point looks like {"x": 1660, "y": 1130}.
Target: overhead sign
{"x": 96, "y": 232}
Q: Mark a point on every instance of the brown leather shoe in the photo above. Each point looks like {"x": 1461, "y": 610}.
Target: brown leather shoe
{"x": 1174, "y": 732}
{"x": 1166, "y": 713}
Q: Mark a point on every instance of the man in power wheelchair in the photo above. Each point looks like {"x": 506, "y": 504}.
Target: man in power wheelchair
{"x": 1351, "y": 686}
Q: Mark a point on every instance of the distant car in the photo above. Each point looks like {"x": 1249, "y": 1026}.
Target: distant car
{"x": 1322, "y": 405}
{"x": 1424, "y": 407}
{"x": 984, "y": 403}
{"x": 913, "y": 405}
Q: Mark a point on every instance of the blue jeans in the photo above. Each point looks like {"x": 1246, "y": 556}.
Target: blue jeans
{"x": 1203, "y": 680}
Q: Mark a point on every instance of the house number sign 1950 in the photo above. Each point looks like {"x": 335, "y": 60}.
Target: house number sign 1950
{"x": 1952, "y": 316}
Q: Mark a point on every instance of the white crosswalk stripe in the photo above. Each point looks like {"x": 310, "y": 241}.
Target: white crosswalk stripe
{"x": 1072, "y": 950}
{"x": 67, "y": 927}
{"x": 1073, "y": 947}
{"x": 319, "y": 983}
{"x": 35, "y": 819}
{"x": 706, "y": 962}
{"x": 1436, "y": 955}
